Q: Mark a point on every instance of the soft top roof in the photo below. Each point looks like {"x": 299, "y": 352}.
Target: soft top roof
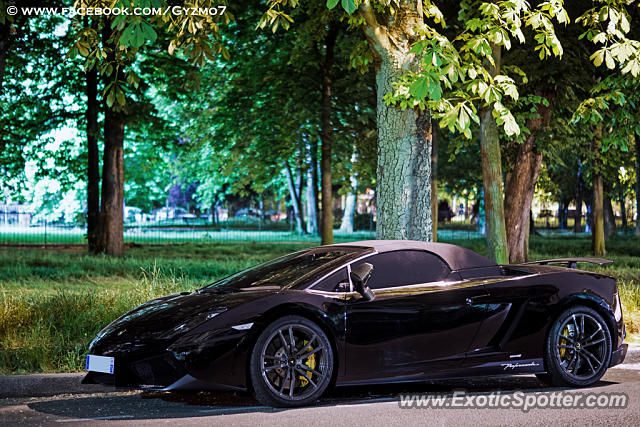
{"x": 457, "y": 257}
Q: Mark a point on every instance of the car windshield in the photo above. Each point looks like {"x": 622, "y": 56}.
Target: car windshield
{"x": 281, "y": 271}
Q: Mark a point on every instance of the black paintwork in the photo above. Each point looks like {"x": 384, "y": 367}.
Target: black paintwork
{"x": 483, "y": 319}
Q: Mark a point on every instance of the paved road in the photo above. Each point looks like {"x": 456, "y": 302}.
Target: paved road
{"x": 350, "y": 406}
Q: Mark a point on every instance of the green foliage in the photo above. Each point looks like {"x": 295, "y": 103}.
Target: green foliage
{"x": 455, "y": 78}
{"x": 39, "y": 95}
{"x": 608, "y": 25}
{"x": 260, "y": 110}
{"x": 192, "y": 32}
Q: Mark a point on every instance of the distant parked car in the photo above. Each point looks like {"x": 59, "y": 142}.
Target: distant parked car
{"x": 164, "y": 214}
{"x": 248, "y": 212}
{"x": 275, "y": 215}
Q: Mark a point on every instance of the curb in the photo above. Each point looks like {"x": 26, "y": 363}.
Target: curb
{"x": 40, "y": 385}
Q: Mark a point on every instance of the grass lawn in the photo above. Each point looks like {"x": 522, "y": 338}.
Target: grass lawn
{"x": 54, "y": 301}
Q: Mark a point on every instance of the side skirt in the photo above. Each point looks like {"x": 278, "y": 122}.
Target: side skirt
{"x": 500, "y": 368}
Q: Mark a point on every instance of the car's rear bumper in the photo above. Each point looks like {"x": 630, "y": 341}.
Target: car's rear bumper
{"x": 617, "y": 357}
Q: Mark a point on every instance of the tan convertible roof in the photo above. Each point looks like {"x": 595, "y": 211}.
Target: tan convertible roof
{"x": 457, "y": 257}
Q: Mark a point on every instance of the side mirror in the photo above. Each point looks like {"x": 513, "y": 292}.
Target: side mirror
{"x": 359, "y": 276}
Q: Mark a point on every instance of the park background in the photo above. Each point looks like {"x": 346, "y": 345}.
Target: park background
{"x": 148, "y": 154}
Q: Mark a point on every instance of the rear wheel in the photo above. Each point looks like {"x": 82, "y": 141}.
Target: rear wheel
{"x": 578, "y": 350}
{"x": 291, "y": 363}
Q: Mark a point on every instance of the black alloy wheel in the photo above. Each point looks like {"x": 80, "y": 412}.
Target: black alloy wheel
{"x": 578, "y": 349}
{"x": 291, "y": 363}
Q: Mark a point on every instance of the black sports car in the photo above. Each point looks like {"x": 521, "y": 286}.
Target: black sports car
{"x": 368, "y": 312}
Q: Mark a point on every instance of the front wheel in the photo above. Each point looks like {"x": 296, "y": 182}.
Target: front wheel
{"x": 578, "y": 350}
{"x": 291, "y": 363}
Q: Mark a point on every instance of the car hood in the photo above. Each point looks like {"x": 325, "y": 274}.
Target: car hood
{"x": 164, "y": 319}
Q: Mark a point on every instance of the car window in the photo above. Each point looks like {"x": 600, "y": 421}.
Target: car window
{"x": 400, "y": 268}
{"x": 331, "y": 283}
{"x": 282, "y": 271}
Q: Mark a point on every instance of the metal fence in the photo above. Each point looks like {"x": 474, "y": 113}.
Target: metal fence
{"x": 44, "y": 233}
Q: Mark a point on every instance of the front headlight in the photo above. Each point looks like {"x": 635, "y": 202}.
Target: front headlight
{"x": 617, "y": 309}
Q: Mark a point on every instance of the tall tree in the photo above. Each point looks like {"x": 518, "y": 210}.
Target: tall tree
{"x": 326, "y": 67}
{"x": 460, "y": 72}
{"x": 110, "y": 235}
{"x": 490, "y": 154}
{"x": 521, "y": 180}
{"x": 404, "y": 135}
{"x": 414, "y": 61}
{"x": 296, "y": 198}
{"x": 312, "y": 188}
{"x": 93, "y": 161}
{"x": 577, "y": 225}
{"x": 434, "y": 182}
{"x": 636, "y": 139}
{"x": 597, "y": 236}
{"x": 403, "y": 196}
{"x": 123, "y": 36}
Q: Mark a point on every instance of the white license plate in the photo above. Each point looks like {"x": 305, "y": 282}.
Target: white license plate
{"x": 100, "y": 364}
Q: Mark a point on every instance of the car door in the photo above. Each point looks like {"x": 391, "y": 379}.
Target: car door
{"x": 420, "y": 323}
{"x": 515, "y": 318}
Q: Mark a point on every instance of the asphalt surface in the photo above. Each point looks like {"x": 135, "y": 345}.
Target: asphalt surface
{"x": 345, "y": 406}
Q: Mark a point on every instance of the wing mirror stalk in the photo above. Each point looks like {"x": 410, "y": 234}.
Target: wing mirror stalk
{"x": 359, "y": 276}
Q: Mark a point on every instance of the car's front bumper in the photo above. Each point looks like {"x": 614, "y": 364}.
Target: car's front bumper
{"x": 617, "y": 357}
{"x": 215, "y": 361}
{"x": 135, "y": 371}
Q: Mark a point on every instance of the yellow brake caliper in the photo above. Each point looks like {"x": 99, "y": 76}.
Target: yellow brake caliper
{"x": 311, "y": 363}
{"x": 563, "y": 350}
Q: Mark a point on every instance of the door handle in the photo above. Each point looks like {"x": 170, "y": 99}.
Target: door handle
{"x": 470, "y": 300}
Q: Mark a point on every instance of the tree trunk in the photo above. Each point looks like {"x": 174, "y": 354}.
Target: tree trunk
{"x": 110, "y": 237}
{"x": 214, "y": 213}
{"x": 299, "y": 188}
{"x": 403, "y": 197}
{"x": 597, "y": 236}
{"x": 577, "y": 226}
{"x": 623, "y": 211}
{"x": 93, "y": 165}
{"x": 563, "y": 214}
{"x": 312, "y": 206}
{"x": 295, "y": 200}
{"x": 637, "y": 145}
{"x": 521, "y": 181}
{"x": 531, "y": 229}
{"x": 312, "y": 189}
{"x": 350, "y": 209}
{"x": 326, "y": 226}
{"x": 492, "y": 179}
{"x": 610, "y": 228}
{"x": 434, "y": 181}
{"x": 466, "y": 208}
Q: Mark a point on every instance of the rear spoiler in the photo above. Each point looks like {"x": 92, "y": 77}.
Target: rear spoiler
{"x": 570, "y": 262}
